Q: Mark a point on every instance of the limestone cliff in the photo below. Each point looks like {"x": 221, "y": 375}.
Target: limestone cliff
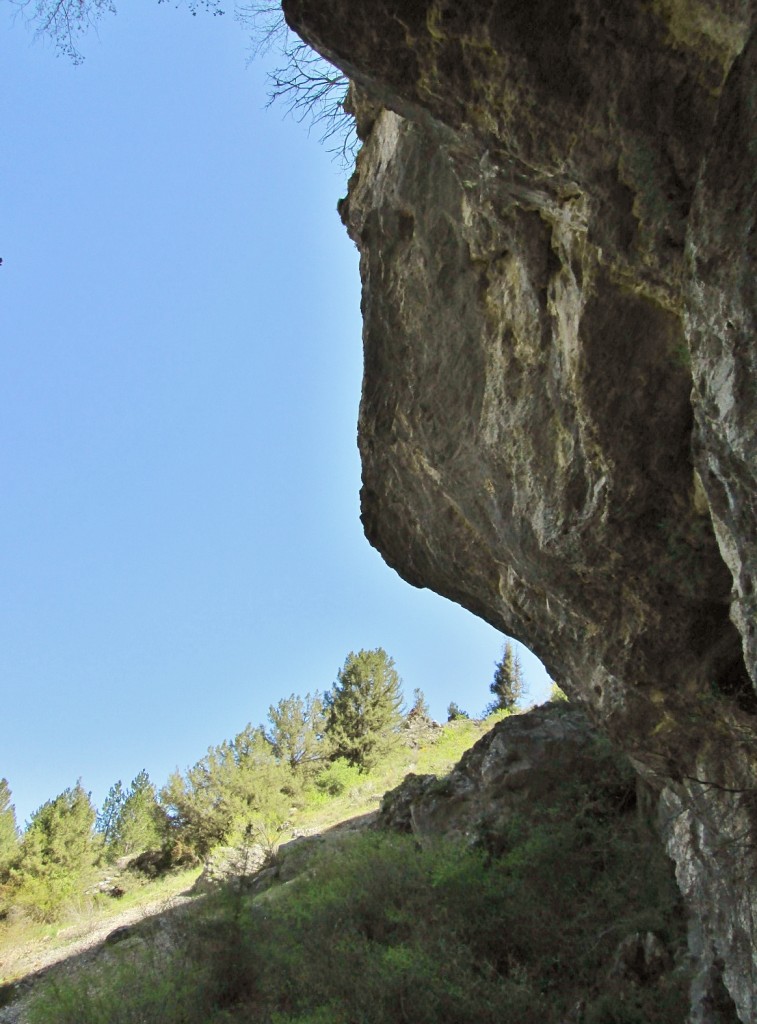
{"x": 554, "y": 206}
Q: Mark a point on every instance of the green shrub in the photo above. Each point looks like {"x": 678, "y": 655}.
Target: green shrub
{"x": 337, "y": 777}
{"x": 131, "y": 993}
{"x": 447, "y": 934}
{"x": 399, "y": 920}
{"x": 190, "y": 979}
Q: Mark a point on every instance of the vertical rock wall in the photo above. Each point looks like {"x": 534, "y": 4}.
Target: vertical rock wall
{"x": 554, "y": 206}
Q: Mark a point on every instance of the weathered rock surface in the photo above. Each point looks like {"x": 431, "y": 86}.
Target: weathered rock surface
{"x": 533, "y": 770}
{"x": 554, "y": 206}
{"x": 231, "y": 863}
{"x": 514, "y": 769}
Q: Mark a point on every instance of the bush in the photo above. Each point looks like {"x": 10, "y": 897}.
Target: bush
{"x": 454, "y": 712}
{"x": 500, "y": 932}
{"x": 147, "y": 989}
{"x": 337, "y": 777}
{"x": 446, "y": 934}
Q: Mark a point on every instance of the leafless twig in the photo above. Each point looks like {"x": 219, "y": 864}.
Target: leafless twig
{"x": 311, "y": 89}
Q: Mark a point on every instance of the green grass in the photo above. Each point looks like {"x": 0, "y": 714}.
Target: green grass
{"x": 363, "y": 791}
{"x": 457, "y": 736}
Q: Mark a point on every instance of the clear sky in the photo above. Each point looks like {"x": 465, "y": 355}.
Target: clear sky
{"x": 180, "y": 364}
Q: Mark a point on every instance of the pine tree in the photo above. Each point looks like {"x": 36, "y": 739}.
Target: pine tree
{"x": 57, "y": 854}
{"x": 108, "y": 818}
{"x": 130, "y": 820}
{"x": 296, "y": 733}
{"x": 139, "y": 821}
{"x": 8, "y": 829}
{"x": 420, "y": 708}
{"x": 507, "y": 685}
{"x": 238, "y": 788}
{"x": 363, "y": 710}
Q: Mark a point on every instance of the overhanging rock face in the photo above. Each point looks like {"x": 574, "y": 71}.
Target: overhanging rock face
{"x": 554, "y": 207}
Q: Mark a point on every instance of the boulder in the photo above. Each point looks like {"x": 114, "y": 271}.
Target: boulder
{"x": 518, "y": 768}
{"x": 230, "y": 863}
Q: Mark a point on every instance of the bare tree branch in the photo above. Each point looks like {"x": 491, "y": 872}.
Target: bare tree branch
{"x": 264, "y": 22}
{"x": 311, "y": 89}
{"x": 65, "y": 22}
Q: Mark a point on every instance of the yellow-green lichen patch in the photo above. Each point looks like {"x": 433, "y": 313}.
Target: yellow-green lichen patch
{"x": 700, "y": 26}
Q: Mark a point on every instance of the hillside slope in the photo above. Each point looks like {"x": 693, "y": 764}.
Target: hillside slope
{"x": 525, "y": 886}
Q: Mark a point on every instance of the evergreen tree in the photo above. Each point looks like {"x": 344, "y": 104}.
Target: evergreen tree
{"x": 130, "y": 820}
{"x": 140, "y": 820}
{"x": 57, "y": 854}
{"x": 8, "y": 829}
{"x": 238, "y": 788}
{"x": 110, "y": 813}
{"x": 420, "y": 708}
{"x": 296, "y": 733}
{"x": 363, "y": 710}
{"x": 507, "y": 685}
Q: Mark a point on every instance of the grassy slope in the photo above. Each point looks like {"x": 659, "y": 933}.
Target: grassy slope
{"x": 383, "y": 932}
{"x": 436, "y": 754}
{"x": 26, "y": 944}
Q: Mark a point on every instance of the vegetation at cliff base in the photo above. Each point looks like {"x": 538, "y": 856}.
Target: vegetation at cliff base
{"x": 517, "y": 927}
{"x": 518, "y": 919}
{"x": 75, "y": 866}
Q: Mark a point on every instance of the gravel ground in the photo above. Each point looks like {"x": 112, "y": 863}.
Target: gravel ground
{"x": 36, "y": 960}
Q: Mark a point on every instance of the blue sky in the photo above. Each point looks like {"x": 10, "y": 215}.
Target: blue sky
{"x": 180, "y": 364}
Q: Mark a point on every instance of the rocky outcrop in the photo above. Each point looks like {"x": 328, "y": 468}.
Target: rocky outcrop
{"x": 543, "y": 773}
{"x": 554, "y": 206}
{"x": 525, "y": 766}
